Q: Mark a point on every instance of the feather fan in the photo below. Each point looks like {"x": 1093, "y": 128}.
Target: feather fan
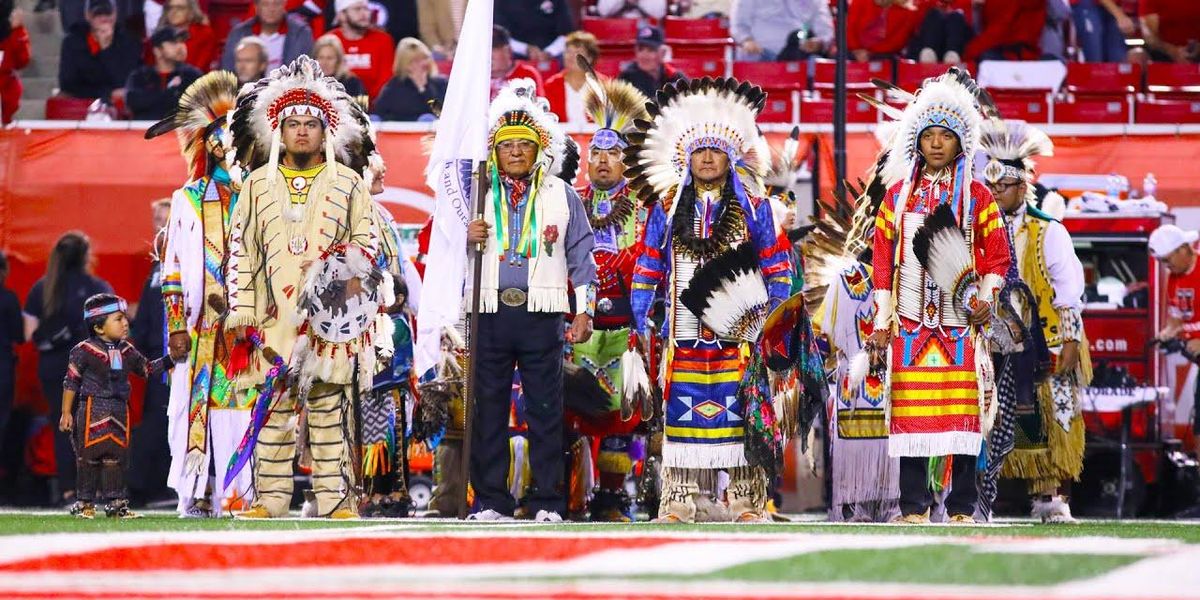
{"x": 942, "y": 250}
{"x": 729, "y": 295}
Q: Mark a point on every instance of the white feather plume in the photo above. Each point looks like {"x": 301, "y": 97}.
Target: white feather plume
{"x": 860, "y": 365}
{"x": 713, "y": 112}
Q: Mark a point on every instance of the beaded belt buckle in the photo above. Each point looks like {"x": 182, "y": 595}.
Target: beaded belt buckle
{"x": 513, "y": 297}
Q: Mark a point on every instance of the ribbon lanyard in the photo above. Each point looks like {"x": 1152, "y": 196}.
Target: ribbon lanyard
{"x": 526, "y": 243}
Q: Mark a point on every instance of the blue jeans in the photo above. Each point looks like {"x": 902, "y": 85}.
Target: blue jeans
{"x": 1097, "y": 32}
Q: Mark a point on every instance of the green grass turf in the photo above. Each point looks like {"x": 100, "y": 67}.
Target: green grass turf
{"x": 944, "y": 565}
{"x": 25, "y": 523}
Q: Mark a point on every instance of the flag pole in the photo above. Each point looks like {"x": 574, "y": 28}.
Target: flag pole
{"x": 477, "y": 199}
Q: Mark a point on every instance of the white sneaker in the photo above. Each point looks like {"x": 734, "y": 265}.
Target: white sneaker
{"x": 951, "y": 58}
{"x": 927, "y": 56}
{"x": 1052, "y": 509}
{"x": 548, "y": 516}
{"x": 488, "y": 515}
{"x": 1058, "y": 511}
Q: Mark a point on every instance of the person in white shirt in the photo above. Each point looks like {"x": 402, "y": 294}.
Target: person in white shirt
{"x": 1049, "y": 447}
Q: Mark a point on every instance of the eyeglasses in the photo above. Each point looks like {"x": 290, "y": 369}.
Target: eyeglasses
{"x": 1000, "y": 187}
{"x": 516, "y": 145}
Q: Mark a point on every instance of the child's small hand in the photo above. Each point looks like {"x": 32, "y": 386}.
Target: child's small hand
{"x": 66, "y": 423}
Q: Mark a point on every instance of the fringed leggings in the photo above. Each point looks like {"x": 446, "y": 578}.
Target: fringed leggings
{"x": 329, "y": 440}
{"x": 101, "y": 440}
{"x": 747, "y": 491}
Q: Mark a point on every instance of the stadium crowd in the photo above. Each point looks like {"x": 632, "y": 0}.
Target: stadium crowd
{"x": 137, "y": 58}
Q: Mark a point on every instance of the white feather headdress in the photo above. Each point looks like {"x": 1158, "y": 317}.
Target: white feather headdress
{"x": 202, "y": 108}
{"x": 298, "y": 88}
{"x": 949, "y": 100}
{"x": 952, "y": 100}
{"x": 1010, "y": 147}
{"x": 517, "y": 105}
{"x": 703, "y": 113}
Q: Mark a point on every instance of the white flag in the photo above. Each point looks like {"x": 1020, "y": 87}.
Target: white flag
{"x": 460, "y": 141}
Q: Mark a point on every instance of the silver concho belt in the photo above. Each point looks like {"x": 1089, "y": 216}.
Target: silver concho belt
{"x": 513, "y": 297}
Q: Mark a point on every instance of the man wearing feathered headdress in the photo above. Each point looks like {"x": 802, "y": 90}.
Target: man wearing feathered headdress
{"x": 206, "y": 418}
{"x": 537, "y": 241}
{"x": 940, "y": 254}
{"x": 695, "y": 156}
{"x": 303, "y": 279}
{"x": 618, "y": 220}
{"x": 1049, "y": 448}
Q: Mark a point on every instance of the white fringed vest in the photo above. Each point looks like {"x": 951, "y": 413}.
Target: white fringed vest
{"x": 547, "y": 284}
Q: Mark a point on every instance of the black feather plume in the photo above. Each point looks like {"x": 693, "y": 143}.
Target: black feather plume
{"x": 940, "y": 220}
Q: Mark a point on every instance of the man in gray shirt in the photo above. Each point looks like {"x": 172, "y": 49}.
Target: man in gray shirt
{"x": 761, "y": 27}
{"x": 537, "y": 243}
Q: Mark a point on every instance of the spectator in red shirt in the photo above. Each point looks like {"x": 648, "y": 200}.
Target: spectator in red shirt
{"x": 369, "y": 51}
{"x": 564, "y": 90}
{"x": 879, "y": 27}
{"x": 1176, "y": 250}
{"x": 505, "y": 67}
{"x": 15, "y": 50}
{"x": 1171, "y": 29}
{"x": 332, "y": 58}
{"x": 185, "y": 15}
{"x": 1009, "y": 30}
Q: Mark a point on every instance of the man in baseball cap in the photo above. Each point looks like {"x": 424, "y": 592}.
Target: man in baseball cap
{"x": 649, "y": 70}
{"x": 1176, "y": 249}
{"x": 369, "y": 51}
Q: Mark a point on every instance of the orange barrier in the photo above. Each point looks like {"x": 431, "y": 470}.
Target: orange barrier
{"x": 101, "y": 181}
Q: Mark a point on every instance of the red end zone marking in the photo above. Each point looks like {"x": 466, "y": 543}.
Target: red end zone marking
{"x": 332, "y": 553}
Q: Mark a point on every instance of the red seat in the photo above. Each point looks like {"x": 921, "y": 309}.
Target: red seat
{"x": 611, "y": 31}
{"x": 698, "y": 67}
{"x": 910, "y": 75}
{"x": 679, "y": 28}
{"x": 1168, "y": 111}
{"x": 1086, "y": 109}
{"x": 1103, "y": 78}
{"x": 706, "y": 50}
{"x": 610, "y": 66}
{"x": 779, "y": 107}
{"x": 1169, "y": 75}
{"x": 64, "y": 108}
{"x": 444, "y": 66}
{"x": 858, "y": 74}
{"x": 223, "y": 16}
{"x": 773, "y": 75}
{"x": 819, "y": 109}
{"x": 1025, "y": 105}
{"x": 614, "y": 36}
{"x": 706, "y": 39}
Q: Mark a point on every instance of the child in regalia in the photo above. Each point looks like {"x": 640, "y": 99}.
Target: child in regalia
{"x": 95, "y": 405}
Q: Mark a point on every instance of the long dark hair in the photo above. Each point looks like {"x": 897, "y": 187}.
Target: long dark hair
{"x": 70, "y": 254}
{"x": 6, "y": 8}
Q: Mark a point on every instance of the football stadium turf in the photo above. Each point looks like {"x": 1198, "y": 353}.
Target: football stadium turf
{"x": 162, "y": 556}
